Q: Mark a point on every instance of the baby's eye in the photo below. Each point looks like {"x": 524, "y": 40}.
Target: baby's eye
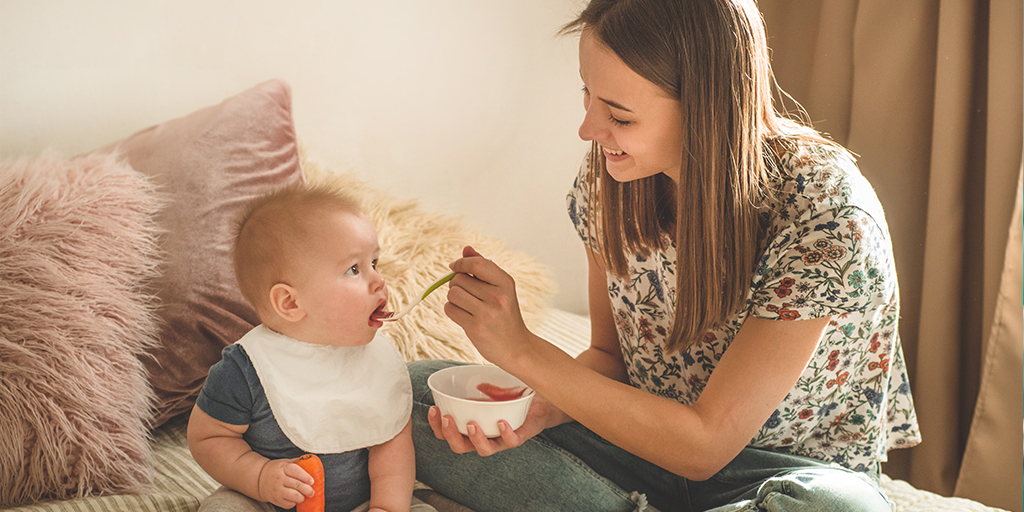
{"x": 374, "y": 264}
{"x": 585, "y": 90}
{"x": 352, "y": 271}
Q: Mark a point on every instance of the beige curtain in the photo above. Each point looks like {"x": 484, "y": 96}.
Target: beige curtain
{"x": 986, "y": 457}
{"x": 929, "y": 95}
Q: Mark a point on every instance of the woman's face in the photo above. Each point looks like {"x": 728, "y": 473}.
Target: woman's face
{"x": 637, "y": 124}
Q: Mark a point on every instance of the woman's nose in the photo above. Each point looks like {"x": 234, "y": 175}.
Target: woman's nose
{"x": 590, "y": 128}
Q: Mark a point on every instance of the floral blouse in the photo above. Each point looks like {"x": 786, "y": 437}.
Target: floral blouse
{"x": 828, "y": 254}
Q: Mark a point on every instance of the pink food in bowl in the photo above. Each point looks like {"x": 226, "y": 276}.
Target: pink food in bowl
{"x": 500, "y": 394}
{"x": 459, "y": 391}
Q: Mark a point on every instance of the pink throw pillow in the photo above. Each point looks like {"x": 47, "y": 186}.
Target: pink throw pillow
{"x": 210, "y": 163}
{"x": 77, "y": 246}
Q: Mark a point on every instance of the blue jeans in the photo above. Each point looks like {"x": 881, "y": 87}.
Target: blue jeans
{"x": 569, "y": 468}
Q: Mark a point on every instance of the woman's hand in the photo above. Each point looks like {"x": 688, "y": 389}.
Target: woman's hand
{"x": 482, "y": 300}
{"x": 541, "y": 415}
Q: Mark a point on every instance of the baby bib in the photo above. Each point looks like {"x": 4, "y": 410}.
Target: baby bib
{"x": 330, "y": 399}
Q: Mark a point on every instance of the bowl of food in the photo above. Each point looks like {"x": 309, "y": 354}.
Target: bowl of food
{"x": 482, "y": 394}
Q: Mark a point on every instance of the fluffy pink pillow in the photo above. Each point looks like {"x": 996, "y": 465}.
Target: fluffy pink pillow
{"x": 210, "y": 163}
{"x": 77, "y": 245}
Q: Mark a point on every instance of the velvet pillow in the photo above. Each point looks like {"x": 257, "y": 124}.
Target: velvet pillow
{"x": 77, "y": 245}
{"x": 210, "y": 163}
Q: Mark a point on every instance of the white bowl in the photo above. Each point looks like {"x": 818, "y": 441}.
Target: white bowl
{"x": 456, "y": 394}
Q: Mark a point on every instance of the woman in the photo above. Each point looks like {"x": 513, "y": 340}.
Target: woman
{"x": 743, "y": 298}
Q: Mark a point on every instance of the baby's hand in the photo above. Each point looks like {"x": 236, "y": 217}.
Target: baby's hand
{"x": 284, "y": 483}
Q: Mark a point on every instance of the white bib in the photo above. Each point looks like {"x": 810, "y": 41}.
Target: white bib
{"x": 330, "y": 399}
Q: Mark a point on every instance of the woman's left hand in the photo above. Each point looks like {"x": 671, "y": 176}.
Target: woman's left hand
{"x": 482, "y": 300}
{"x": 542, "y": 415}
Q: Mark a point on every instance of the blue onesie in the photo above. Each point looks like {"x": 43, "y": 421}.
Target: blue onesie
{"x": 233, "y": 394}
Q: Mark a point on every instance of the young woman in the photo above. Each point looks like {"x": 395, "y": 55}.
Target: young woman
{"x": 743, "y": 298}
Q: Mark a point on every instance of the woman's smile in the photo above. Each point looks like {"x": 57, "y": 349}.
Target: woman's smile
{"x": 614, "y": 155}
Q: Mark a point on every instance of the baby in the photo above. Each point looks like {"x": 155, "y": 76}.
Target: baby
{"x": 315, "y": 376}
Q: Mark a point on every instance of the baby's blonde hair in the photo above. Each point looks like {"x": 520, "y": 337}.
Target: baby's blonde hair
{"x": 272, "y": 232}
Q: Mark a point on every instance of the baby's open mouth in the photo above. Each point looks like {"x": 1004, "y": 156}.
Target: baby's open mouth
{"x": 380, "y": 313}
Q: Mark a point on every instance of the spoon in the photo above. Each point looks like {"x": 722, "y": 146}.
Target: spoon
{"x": 437, "y": 284}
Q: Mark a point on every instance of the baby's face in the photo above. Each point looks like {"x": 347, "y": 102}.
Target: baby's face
{"x": 340, "y": 289}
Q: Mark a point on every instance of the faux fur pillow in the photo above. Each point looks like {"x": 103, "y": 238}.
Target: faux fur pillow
{"x": 77, "y": 243}
{"x": 416, "y": 248}
{"x": 209, "y": 163}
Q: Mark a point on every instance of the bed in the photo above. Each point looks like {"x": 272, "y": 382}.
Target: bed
{"x": 116, "y": 295}
{"x": 180, "y": 485}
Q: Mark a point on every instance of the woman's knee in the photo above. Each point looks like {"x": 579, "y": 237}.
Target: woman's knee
{"x": 822, "y": 489}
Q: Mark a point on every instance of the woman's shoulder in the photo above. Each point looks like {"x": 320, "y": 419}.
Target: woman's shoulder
{"x": 817, "y": 176}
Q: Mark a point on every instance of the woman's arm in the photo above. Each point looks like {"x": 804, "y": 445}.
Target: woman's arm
{"x": 392, "y": 471}
{"x": 760, "y": 367}
{"x": 219, "y": 449}
{"x": 604, "y": 354}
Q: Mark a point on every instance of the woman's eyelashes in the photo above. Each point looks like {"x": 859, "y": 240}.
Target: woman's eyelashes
{"x": 614, "y": 120}
{"x": 617, "y": 122}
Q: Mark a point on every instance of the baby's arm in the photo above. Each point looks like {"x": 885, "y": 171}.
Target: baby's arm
{"x": 392, "y": 472}
{"x": 219, "y": 449}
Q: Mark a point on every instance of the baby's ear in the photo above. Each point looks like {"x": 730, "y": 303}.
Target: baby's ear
{"x": 284, "y": 301}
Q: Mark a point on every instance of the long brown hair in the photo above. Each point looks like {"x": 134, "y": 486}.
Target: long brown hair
{"x": 713, "y": 56}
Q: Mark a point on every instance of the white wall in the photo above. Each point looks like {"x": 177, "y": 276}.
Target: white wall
{"x": 470, "y": 105}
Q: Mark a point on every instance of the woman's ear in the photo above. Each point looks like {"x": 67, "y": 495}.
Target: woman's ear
{"x": 284, "y": 301}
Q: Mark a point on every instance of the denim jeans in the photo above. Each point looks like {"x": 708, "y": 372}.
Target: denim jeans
{"x": 570, "y": 468}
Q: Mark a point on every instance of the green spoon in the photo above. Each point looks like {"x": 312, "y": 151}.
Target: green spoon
{"x": 437, "y": 284}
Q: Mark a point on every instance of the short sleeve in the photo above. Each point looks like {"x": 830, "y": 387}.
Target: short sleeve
{"x": 226, "y": 396}
{"x": 578, "y": 204}
{"x": 837, "y": 262}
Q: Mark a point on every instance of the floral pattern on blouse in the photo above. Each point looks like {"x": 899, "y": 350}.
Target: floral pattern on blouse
{"x": 829, "y": 255}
